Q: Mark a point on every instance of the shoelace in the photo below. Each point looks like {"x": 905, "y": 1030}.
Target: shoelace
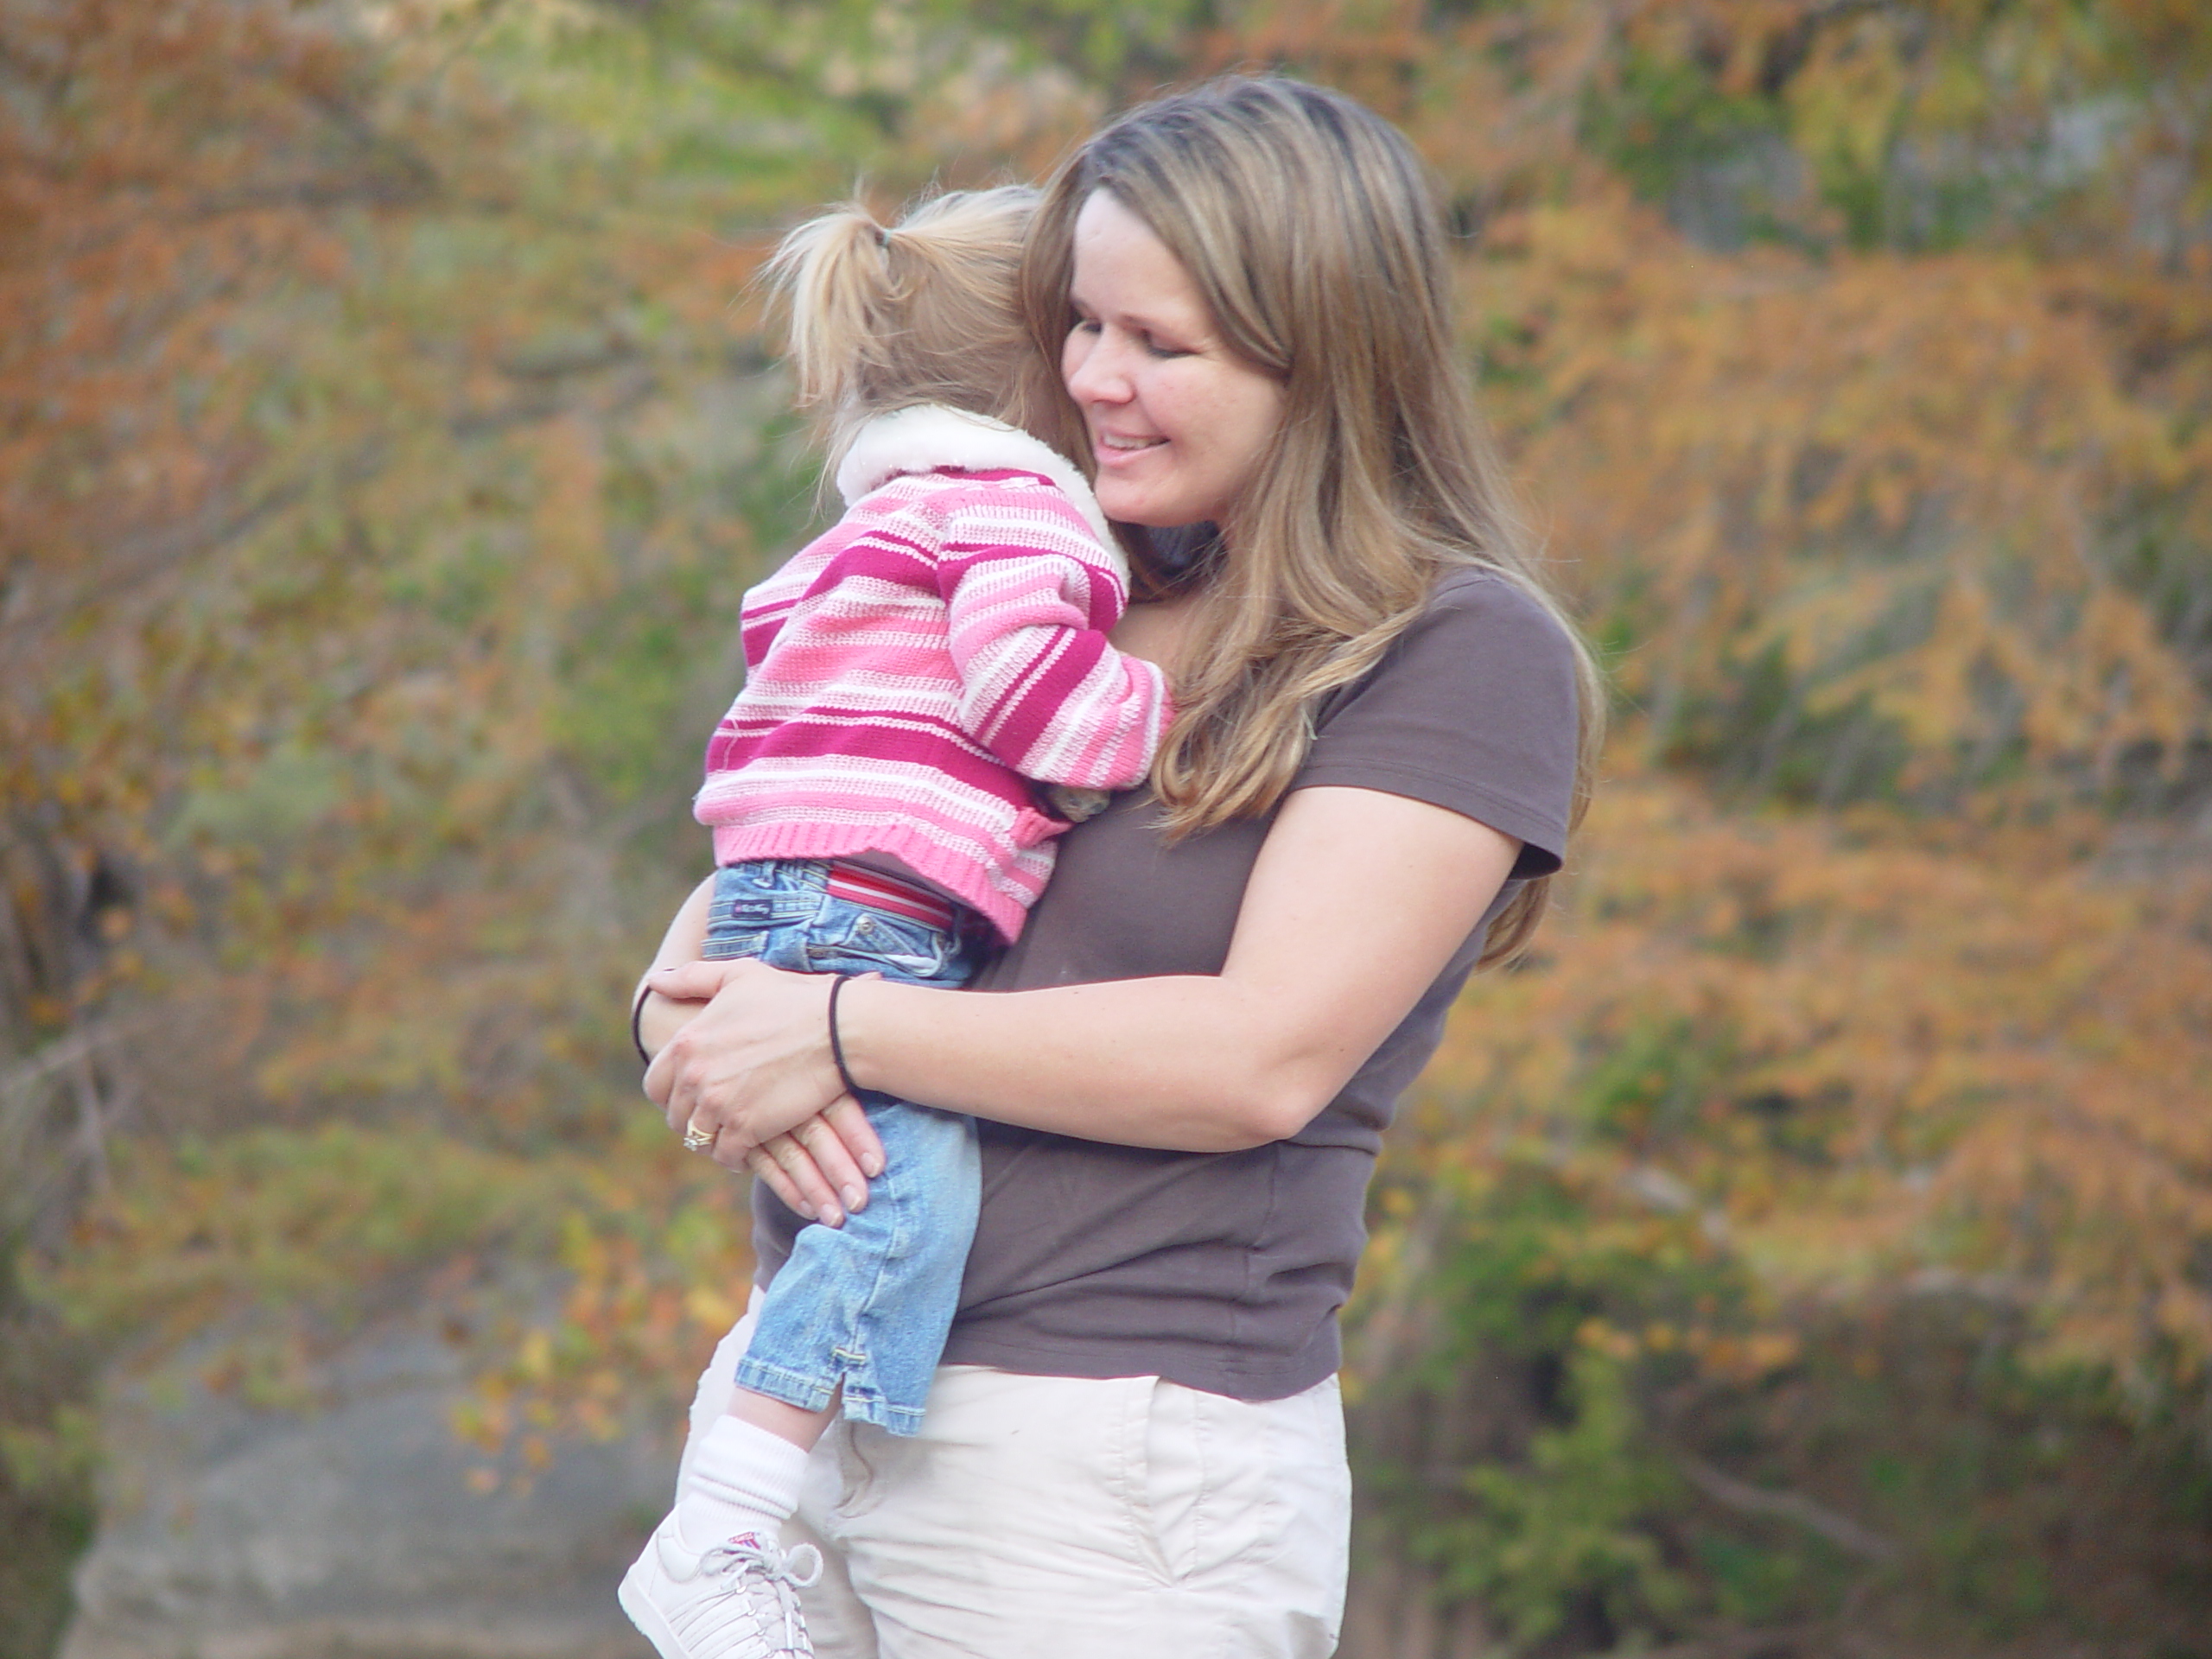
{"x": 786, "y": 1572}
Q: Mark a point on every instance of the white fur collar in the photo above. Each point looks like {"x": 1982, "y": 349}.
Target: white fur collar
{"x": 930, "y": 436}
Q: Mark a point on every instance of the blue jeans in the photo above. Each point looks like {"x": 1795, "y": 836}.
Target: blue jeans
{"x": 864, "y": 1307}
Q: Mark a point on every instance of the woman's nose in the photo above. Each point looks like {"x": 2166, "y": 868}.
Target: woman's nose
{"x": 1093, "y": 370}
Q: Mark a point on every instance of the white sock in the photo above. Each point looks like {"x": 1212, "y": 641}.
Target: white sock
{"x": 742, "y": 1478}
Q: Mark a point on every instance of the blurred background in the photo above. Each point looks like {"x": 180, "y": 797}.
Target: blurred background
{"x": 1806, "y": 1253}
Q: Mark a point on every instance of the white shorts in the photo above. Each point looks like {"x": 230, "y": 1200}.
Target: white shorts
{"x": 1074, "y": 1518}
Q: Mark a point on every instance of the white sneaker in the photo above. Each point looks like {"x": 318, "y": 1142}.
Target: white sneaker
{"x": 737, "y": 1600}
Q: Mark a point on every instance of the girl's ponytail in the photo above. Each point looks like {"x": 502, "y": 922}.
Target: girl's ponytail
{"x": 834, "y": 275}
{"x": 883, "y": 317}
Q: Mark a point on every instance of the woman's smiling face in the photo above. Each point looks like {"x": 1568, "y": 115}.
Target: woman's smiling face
{"x": 1178, "y": 421}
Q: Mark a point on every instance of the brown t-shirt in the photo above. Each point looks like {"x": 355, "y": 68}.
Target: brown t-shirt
{"x": 1224, "y": 1271}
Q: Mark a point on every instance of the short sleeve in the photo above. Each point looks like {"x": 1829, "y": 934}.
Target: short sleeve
{"x": 1473, "y": 708}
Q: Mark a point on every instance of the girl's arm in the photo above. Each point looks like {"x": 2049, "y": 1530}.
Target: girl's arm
{"x": 826, "y": 1155}
{"x": 1042, "y": 687}
{"x": 1356, "y": 902}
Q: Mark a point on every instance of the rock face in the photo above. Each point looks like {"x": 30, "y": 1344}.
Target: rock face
{"x": 230, "y": 1533}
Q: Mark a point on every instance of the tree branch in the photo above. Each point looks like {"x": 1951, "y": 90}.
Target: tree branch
{"x": 1841, "y": 1530}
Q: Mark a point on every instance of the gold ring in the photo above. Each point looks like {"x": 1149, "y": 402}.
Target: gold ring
{"x": 697, "y": 1139}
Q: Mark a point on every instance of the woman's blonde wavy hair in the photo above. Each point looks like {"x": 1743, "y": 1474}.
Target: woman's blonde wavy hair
{"x": 1311, "y": 230}
{"x": 926, "y": 310}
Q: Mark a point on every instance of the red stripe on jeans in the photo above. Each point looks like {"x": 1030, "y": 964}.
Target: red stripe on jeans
{"x": 862, "y": 885}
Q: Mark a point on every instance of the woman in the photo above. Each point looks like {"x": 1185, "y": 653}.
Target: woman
{"x": 1382, "y": 736}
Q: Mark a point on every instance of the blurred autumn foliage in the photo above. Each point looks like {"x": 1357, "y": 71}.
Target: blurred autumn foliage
{"x": 1816, "y": 1236}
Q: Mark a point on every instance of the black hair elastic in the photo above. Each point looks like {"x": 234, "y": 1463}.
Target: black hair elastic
{"x": 637, "y": 1017}
{"x": 836, "y": 1045}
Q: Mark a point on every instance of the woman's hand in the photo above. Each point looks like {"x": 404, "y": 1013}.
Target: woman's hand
{"x": 753, "y": 1070}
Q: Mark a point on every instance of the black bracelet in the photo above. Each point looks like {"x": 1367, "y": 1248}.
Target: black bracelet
{"x": 836, "y": 1045}
{"x": 636, "y": 1014}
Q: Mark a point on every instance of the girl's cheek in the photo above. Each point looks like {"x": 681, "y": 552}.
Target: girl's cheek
{"x": 1075, "y": 351}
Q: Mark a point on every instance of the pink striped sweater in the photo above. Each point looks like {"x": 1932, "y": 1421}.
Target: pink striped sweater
{"x": 908, "y": 672}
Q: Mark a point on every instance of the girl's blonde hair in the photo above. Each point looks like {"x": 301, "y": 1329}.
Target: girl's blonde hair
{"x": 1312, "y": 231}
{"x": 927, "y": 310}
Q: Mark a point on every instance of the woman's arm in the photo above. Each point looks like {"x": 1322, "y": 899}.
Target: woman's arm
{"x": 661, "y": 1017}
{"x": 1356, "y": 902}
{"x": 814, "y": 1164}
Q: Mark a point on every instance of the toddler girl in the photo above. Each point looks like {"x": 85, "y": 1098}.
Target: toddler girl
{"x": 913, "y": 678}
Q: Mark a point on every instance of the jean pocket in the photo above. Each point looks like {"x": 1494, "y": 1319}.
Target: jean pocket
{"x": 876, "y": 940}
